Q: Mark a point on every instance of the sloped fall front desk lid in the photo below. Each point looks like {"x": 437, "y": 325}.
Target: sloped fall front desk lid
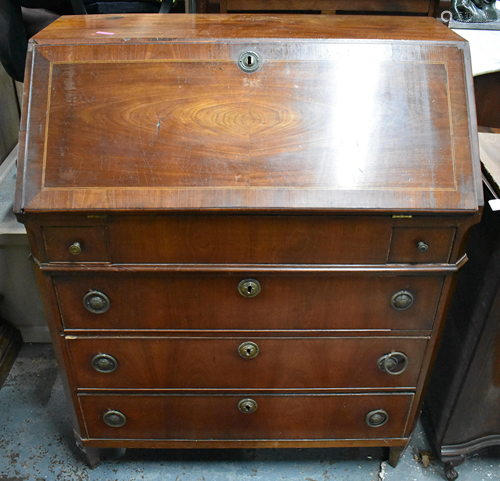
{"x": 154, "y": 112}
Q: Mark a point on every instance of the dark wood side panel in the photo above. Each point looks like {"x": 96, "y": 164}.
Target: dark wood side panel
{"x": 213, "y": 302}
{"x": 217, "y": 417}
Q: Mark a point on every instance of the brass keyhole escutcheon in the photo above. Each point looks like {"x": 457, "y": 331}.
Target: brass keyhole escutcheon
{"x": 249, "y": 61}
{"x": 247, "y": 406}
{"x": 75, "y": 248}
{"x": 422, "y": 247}
{"x": 248, "y": 350}
{"x": 104, "y": 363}
{"x": 96, "y": 302}
{"x": 115, "y": 419}
{"x": 249, "y": 287}
{"x": 377, "y": 418}
{"x": 393, "y": 363}
{"x": 402, "y": 300}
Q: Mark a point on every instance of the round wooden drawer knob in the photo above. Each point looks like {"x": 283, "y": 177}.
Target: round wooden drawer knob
{"x": 402, "y": 300}
{"x": 96, "y": 302}
{"x": 115, "y": 419}
{"x": 104, "y": 363}
{"x": 393, "y": 363}
{"x": 247, "y": 406}
{"x": 75, "y": 248}
{"x": 249, "y": 287}
{"x": 377, "y": 418}
{"x": 422, "y": 247}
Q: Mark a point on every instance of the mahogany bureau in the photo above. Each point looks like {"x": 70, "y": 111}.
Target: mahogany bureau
{"x": 246, "y": 228}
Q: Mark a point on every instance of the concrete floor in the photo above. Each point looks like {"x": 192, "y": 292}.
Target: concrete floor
{"x": 36, "y": 443}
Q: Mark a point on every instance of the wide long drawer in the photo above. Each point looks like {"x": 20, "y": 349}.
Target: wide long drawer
{"x": 217, "y": 417}
{"x": 246, "y": 363}
{"x": 154, "y": 301}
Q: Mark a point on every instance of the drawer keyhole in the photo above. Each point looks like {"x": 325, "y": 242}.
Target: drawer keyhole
{"x": 248, "y": 350}
{"x": 249, "y": 62}
{"x": 247, "y": 406}
{"x": 249, "y": 287}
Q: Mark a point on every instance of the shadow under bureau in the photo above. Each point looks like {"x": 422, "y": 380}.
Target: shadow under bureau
{"x": 246, "y": 228}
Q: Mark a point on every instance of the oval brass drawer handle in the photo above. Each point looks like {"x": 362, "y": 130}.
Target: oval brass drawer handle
{"x": 393, "y": 363}
{"x": 402, "y": 300}
{"x": 249, "y": 287}
{"x": 115, "y": 419}
{"x": 96, "y": 302}
{"x": 247, "y": 406}
{"x": 104, "y": 363}
{"x": 377, "y": 418}
{"x": 248, "y": 350}
{"x": 75, "y": 248}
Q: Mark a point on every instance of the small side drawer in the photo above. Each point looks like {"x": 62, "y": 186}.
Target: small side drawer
{"x": 76, "y": 244}
{"x": 206, "y": 417}
{"x": 413, "y": 245}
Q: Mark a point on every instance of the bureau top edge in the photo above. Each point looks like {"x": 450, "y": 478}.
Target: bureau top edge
{"x": 23, "y": 213}
{"x": 236, "y": 26}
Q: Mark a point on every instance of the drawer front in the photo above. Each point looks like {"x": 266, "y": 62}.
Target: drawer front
{"x": 76, "y": 244}
{"x": 215, "y": 417}
{"x": 228, "y": 363}
{"x": 239, "y": 239}
{"x": 214, "y": 302}
{"x": 421, "y": 245}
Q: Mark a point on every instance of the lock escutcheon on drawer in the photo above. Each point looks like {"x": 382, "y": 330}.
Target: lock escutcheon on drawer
{"x": 249, "y": 287}
{"x": 247, "y": 406}
{"x": 248, "y": 350}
